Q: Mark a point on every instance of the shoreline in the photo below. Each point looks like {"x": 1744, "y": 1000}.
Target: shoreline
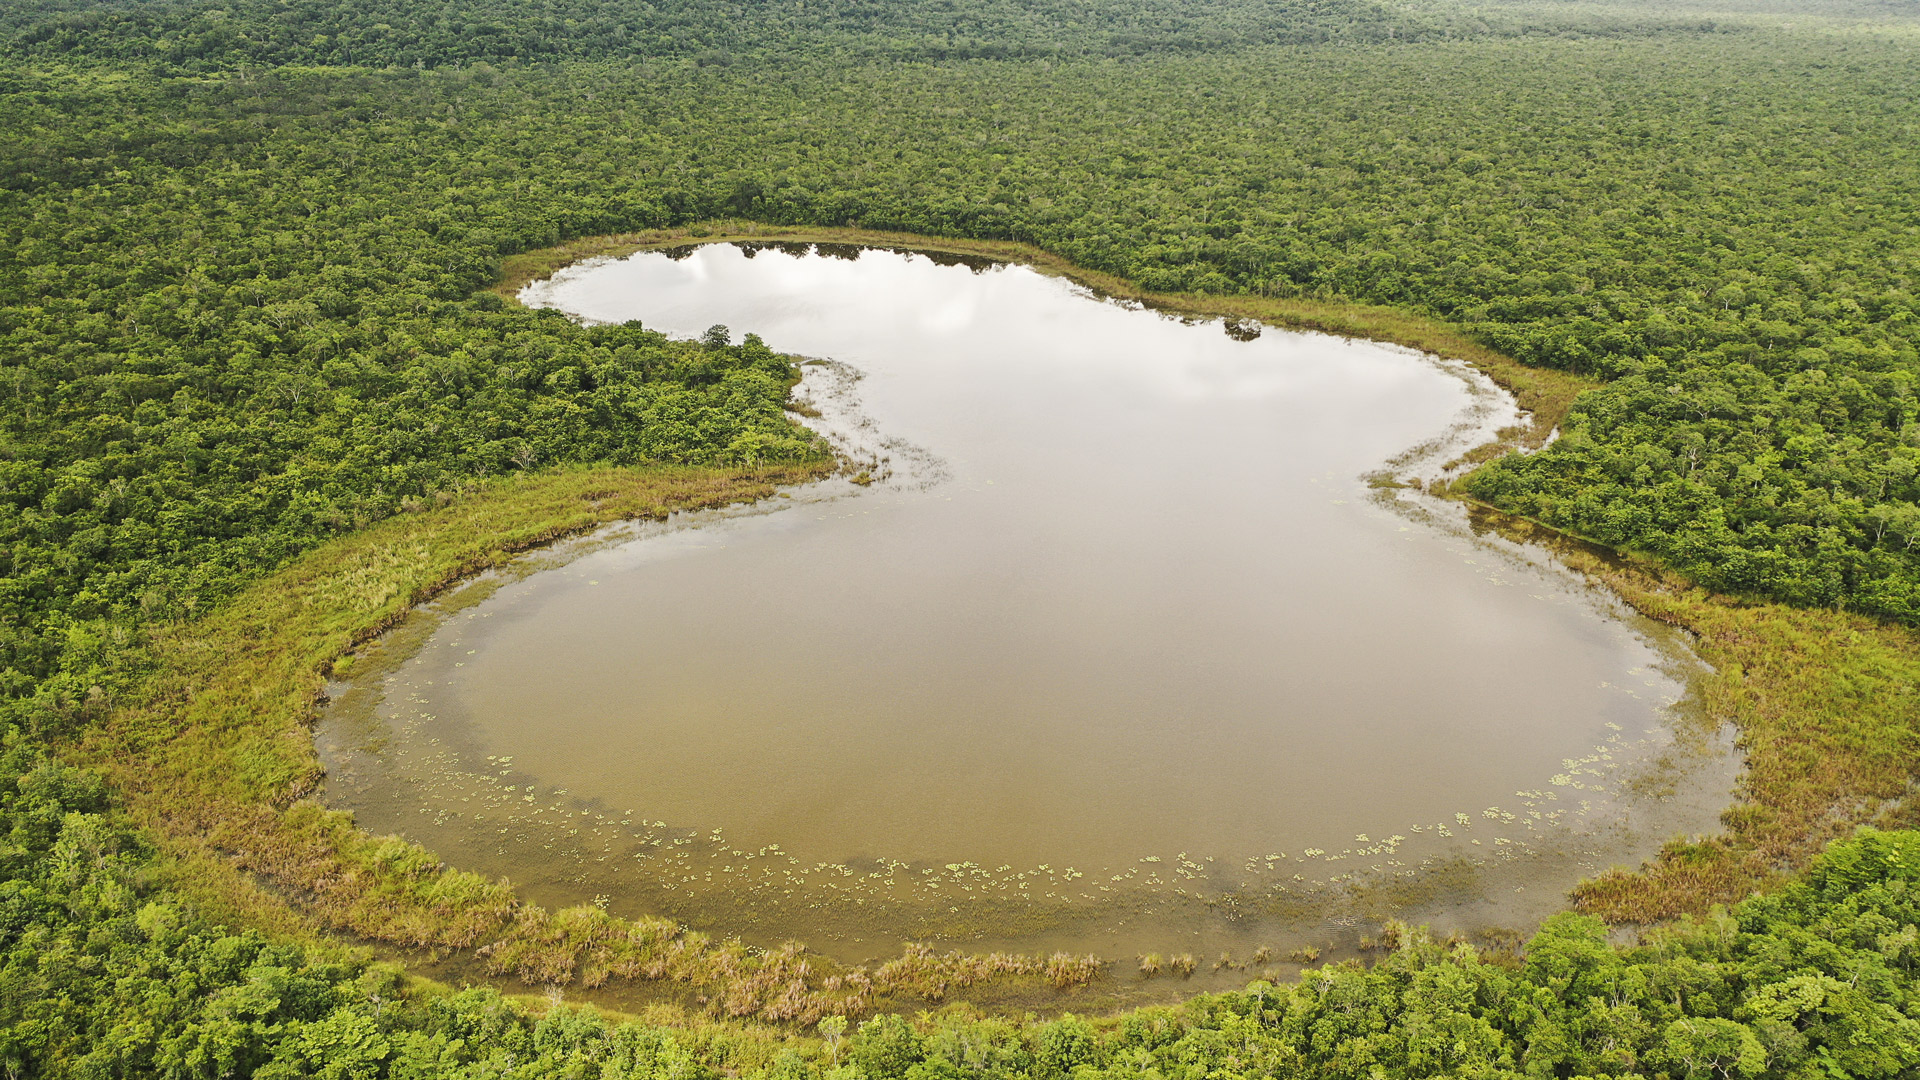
{"x": 1804, "y": 782}
{"x": 209, "y": 761}
{"x": 1542, "y": 393}
{"x": 1492, "y": 408}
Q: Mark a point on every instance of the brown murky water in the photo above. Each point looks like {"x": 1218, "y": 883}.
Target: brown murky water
{"x": 1121, "y": 653}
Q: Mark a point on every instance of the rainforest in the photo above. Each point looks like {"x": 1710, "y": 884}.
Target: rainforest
{"x": 278, "y": 406}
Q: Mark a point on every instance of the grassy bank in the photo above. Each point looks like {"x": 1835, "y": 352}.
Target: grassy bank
{"x": 1545, "y": 394}
{"x": 216, "y": 762}
{"x": 1823, "y": 701}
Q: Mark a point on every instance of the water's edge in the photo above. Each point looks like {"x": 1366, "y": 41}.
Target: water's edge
{"x": 1342, "y": 913}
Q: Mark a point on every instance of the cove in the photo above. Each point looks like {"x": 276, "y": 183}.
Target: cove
{"x": 1113, "y": 638}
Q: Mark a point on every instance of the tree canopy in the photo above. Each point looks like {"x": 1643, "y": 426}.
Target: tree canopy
{"x": 243, "y": 309}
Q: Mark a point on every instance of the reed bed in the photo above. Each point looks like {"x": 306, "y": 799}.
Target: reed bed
{"x": 1823, "y": 703}
{"x": 217, "y": 762}
{"x": 216, "y": 759}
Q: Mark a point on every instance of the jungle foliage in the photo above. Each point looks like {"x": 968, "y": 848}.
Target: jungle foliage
{"x": 200, "y": 35}
{"x": 195, "y": 395}
{"x": 1725, "y": 233}
{"x": 243, "y": 255}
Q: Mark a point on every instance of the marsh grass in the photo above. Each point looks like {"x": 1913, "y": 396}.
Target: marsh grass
{"x": 216, "y": 756}
{"x": 216, "y": 761}
{"x": 933, "y": 975}
{"x": 1824, "y": 703}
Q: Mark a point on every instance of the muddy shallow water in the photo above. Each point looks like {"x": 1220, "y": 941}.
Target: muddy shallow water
{"x": 1122, "y": 651}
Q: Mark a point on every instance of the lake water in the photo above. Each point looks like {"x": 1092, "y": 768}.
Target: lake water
{"x": 1124, "y": 649}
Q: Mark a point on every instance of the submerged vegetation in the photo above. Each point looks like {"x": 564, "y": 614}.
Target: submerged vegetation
{"x": 214, "y": 757}
{"x": 1816, "y": 979}
{"x": 1824, "y": 704}
{"x": 258, "y": 400}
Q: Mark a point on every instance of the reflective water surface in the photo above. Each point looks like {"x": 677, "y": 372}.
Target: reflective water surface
{"x": 1126, "y": 647}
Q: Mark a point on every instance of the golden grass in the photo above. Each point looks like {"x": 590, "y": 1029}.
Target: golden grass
{"x": 1825, "y": 704}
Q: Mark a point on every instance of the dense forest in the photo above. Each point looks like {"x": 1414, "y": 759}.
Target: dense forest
{"x": 201, "y": 36}
{"x": 243, "y": 309}
{"x": 1725, "y": 235}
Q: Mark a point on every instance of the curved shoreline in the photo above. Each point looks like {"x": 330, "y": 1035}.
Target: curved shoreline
{"x": 1822, "y": 755}
{"x": 1543, "y": 394}
{"x": 236, "y": 692}
{"x": 1463, "y": 443}
{"x": 439, "y": 782}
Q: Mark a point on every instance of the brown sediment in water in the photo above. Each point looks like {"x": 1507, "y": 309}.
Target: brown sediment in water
{"x": 1788, "y": 680}
{"x": 751, "y": 907}
{"x": 1823, "y": 702}
{"x": 217, "y": 747}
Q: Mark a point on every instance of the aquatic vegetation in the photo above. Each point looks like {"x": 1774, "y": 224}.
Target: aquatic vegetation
{"x": 747, "y": 888}
{"x": 923, "y": 972}
{"x": 1819, "y": 696}
{"x": 1067, "y": 972}
{"x": 1788, "y": 680}
{"x": 1822, "y": 950}
{"x": 384, "y": 889}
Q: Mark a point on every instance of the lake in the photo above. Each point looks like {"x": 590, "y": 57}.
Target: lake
{"x": 1113, "y": 637}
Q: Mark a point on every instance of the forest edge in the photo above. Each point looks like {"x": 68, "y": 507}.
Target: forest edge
{"x": 216, "y": 760}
